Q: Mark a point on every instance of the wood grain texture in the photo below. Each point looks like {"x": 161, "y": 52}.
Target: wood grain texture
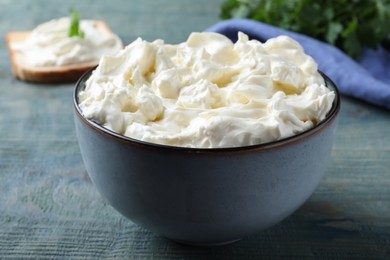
{"x": 50, "y": 210}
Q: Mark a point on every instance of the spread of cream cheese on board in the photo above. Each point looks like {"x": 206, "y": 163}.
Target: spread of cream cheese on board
{"x": 207, "y": 92}
{"x": 49, "y": 45}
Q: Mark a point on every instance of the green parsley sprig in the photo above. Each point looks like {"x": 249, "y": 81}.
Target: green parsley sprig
{"x": 74, "y": 28}
{"x": 351, "y": 25}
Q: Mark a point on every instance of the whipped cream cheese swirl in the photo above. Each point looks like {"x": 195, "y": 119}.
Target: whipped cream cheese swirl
{"x": 48, "y": 45}
{"x": 207, "y": 92}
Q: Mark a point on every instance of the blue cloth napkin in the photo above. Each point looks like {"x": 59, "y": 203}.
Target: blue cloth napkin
{"x": 367, "y": 78}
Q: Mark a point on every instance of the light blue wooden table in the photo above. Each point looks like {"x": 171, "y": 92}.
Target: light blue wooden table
{"x": 50, "y": 209}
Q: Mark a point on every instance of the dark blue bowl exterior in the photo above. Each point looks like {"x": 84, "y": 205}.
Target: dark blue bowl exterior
{"x": 204, "y": 197}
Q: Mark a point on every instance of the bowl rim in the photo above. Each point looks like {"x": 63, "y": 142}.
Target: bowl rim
{"x": 330, "y": 117}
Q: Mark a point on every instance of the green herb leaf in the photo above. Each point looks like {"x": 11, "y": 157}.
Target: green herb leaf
{"x": 74, "y": 28}
{"x": 241, "y": 12}
{"x": 349, "y": 25}
{"x": 334, "y": 29}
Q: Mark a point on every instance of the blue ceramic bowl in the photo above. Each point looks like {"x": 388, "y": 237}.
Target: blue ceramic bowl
{"x": 205, "y": 196}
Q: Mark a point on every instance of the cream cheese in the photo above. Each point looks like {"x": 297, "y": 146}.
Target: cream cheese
{"x": 207, "y": 92}
{"x": 48, "y": 45}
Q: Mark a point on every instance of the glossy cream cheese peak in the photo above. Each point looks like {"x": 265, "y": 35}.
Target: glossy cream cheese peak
{"x": 207, "y": 92}
{"x": 48, "y": 44}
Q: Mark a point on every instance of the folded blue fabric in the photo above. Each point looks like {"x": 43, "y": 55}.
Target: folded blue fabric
{"x": 367, "y": 78}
